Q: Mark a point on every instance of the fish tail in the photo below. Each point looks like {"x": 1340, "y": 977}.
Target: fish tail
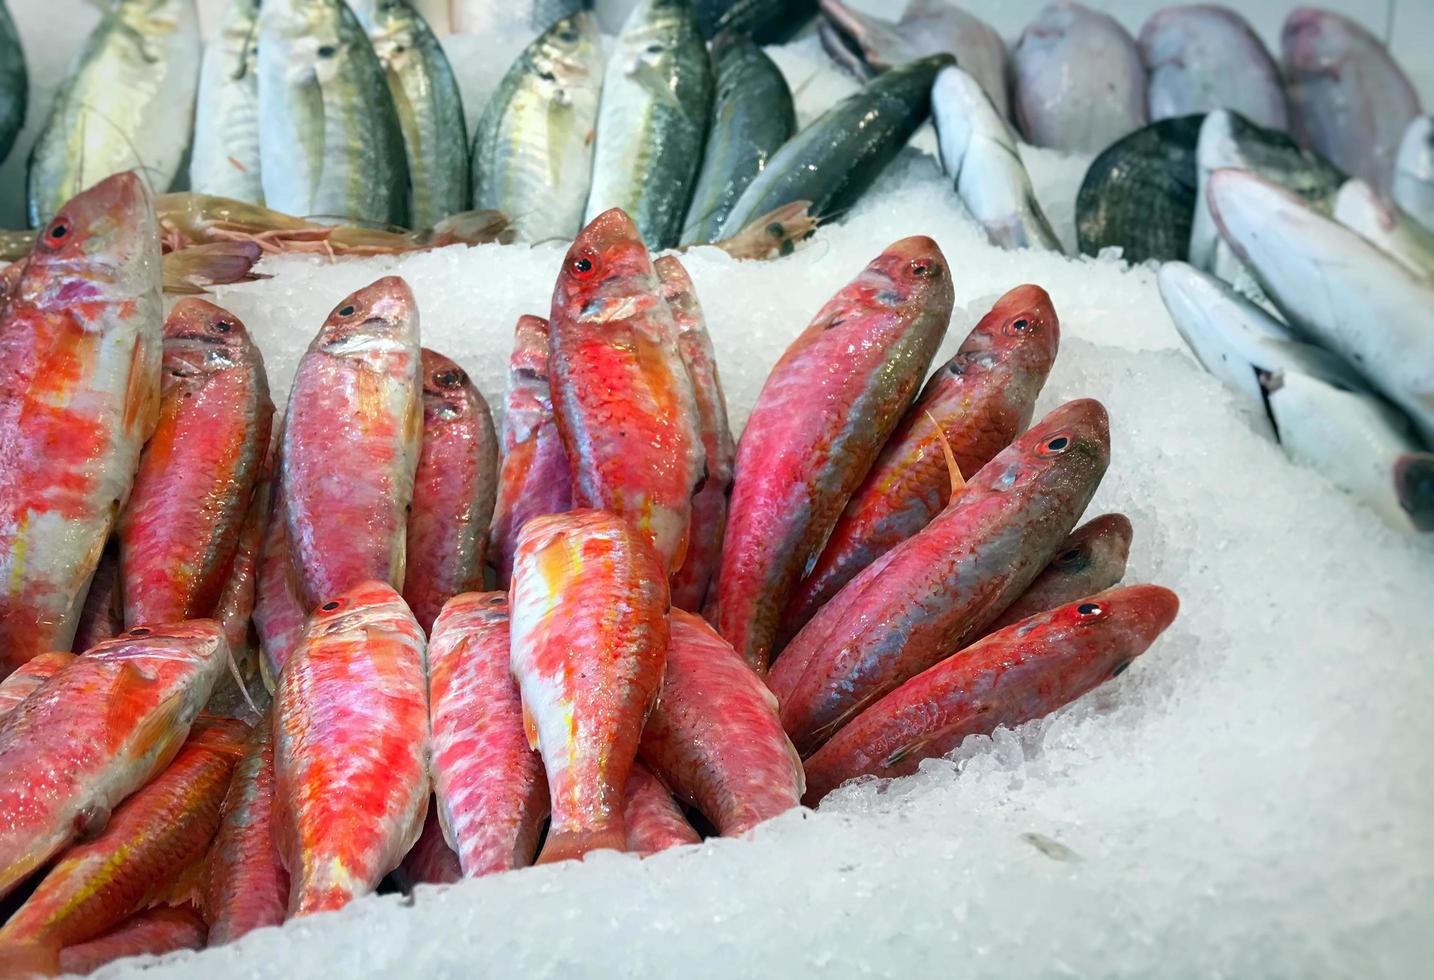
{"x": 30, "y": 960}
{"x": 573, "y": 845}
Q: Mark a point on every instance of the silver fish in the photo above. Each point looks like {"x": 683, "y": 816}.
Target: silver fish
{"x": 127, "y": 103}
{"x": 1204, "y": 57}
{"x": 1348, "y": 99}
{"x": 225, "y": 159}
{"x": 430, "y": 108}
{"x": 1414, "y": 172}
{"x": 330, "y": 144}
{"x": 1375, "y": 218}
{"x": 978, "y": 152}
{"x": 652, "y": 124}
{"x": 533, "y": 145}
{"x": 1079, "y": 80}
{"x": 14, "y": 83}
{"x": 764, "y": 21}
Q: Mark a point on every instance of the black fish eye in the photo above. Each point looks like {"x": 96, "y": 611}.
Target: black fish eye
{"x": 330, "y": 606}
{"x": 1021, "y": 324}
{"x": 140, "y": 631}
{"x": 654, "y": 49}
{"x": 1089, "y": 609}
{"x": 449, "y": 379}
{"x": 59, "y": 231}
{"x": 347, "y": 310}
{"x": 1069, "y": 556}
{"x": 1054, "y": 446}
{"x": 922, "y": 269}
{"x": 223, "y": 326}
{"x": 497, "y": 600}
{"x": 327, "y": 51}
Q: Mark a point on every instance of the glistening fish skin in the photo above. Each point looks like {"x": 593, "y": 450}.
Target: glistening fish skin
{"x": 492, "y": 794}
{"x": 766, "y": 21}
{"x": 29, "y": 678}
{"x": 980, "y": 400}
{"x": 127, "y": 103}
{"x": 456, "y": 482}
{"x": 350, "y": 748}
{"x": 654, "y": 820}
{"x": 225, "y": 158}
{"x": 79, "y": 393}
{"x": 429, "y": 107}
{"x": 153, "y": 837}
{"x": 533, "y": 145}
{"x": 821, "y": 418}
{"x": 1078, "y": 79}
{"x": 278, "y": 609}
{"x": 621, "y": 395}
{"x": 1348, "y": 99}
{"x": 1023, "y": 672}
{"x": 94, "y": 733}
{"x": 1203, "y": 57}
{"x": 652, "y": 124}
{"x": 589, "y": 645}
{"x": 535, "y": 479}
{"x": 690, "y": 583}
{"x": 150, "y": 933}
{"x": 929, "y": 596}
{"x": 752, "y": 116}
{"x": 197, "y": 474}
{"x": 352, "y": 439}
{"x": 715, "y": 736}
{"x": 235, "y": 610}
{"x": 14, "y": 83}
{"x": 1091, "y": 560}
{"x": 1413, "y": 187}
{"x": 1361, "y": 208}
{"x": 833, "y": 161}
{"x": 330, "y": 142}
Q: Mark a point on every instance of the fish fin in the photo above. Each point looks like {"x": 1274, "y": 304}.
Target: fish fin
{"x": 903, "y": 752}
{"x": 958, "y": 482}
{"x": 30, "y": 960}
{"x": 159, "y": 727}
{"x": 530, "y": 728}
{"x": 652, "y": 82}
{"x": 573, "y": 845}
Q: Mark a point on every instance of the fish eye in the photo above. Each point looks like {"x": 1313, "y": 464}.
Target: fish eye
{"x": 1090, "y": 609}
{"x": 223, "y": 326}
{"x": 568, "y": 37}
{"x": 327, "y": 51}
{"x": 1069, "y": 556}
{"x": 58, "y": 231}
{"x": 923, "y": 269}
{"x": 1054, "y": 446}
{"x": 448, "y": 378}
{"x": 1018, "y": 326}
{"x": 331, "y": 605}
{"x": 347, "y": 310}
{"x": 497, "y": 600}
{"x": 583, "y": 266}
{"x": 140, "y": 631}
{"x": 654, "y": 48}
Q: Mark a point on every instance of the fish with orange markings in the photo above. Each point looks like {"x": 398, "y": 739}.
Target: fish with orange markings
{"x": 453, "y": 492}
{"x": 153, "y": 932}
{"x": 492, "y": 794}
{"x": 180, "y": 531}
{"x": 102, "y": 615}
{"x": 350, "y": 748}
{"x": 245, "y": 886}
{"x": 432, "y": 861}
{"x": 279, "y": 613}
{"x": 95, "y": 732}
{"x": 1024, "y": 671}
{"x": 30, "y": 677}
{"x": 534, "y": 479}
{"x": 715, "y": 735}
{"x": 622, "y": 398}
{"x": 152, "y": 838}
{"x": 79, "y": 392}
{"x": 589, "y": 635}
{"x": 931, "y": 595}
{"x": 690, "y": 583}
{"x": 1091, "y": 560}
{"x": 351, "y": 443}
{"x": 654, "y": 820}
{"x": 979, "y": 400}
{"x": 822, "y": 416}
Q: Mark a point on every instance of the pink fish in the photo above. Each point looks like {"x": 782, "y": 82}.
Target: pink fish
{"x": 150, "y": 933}
{"x": 654, "y": 820}
{"x": 279, "y": 612}
{"x": 432, "y": 861}
{"x": 29, "y": 678}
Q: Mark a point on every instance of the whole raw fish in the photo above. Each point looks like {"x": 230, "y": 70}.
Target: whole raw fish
{"x": 1413, "y": 188}
{"x": 94, "y": 733}
{"x": 979, "y": 401}
{"x": 533, "y": 145}
{"x": 279, "y": 612}
{"x": 1348, "y": 99}
{"x": 180, "y": 531}
{"x": 752, "y": 116}
{"x": 709, "y": 505}
{"x": 1023, "y": 672}
{"x": 225, "y": 157}
{"x": 429, "y": 107}
{"x": 654, "y": 820}
{"x": 14, "y": 83}
{"x": 330, "y": 141}
{"x": 652, "y": 124}
{"x": 352, "y": 438}
{"x": 638, "y": 454}
{"x": 715, "y": 736}
{"x": 1078, "y": 80}
{"x": 1362, "y": 209}
{"x": 79, "y": 392}
{"x": 453, "y": 491}
{"x": 153, "y": 837}
{"x": 535, "y": 478}
{"x": 245, "y": 886}
{"x": 589, "y": 645}
{"x": 765, "y": 21}
{"x": 235, "y": 609}
{"x": 150, "y": 933}
{"x": 1138, "y": 194}
{"x": 930, "y": 595}
{"x": 127, "y": 103}
{"x": 29, "y": 678}
{"x": 1203, "y": 57}
{"x": 102, "y": 615}
{"x": 979, "y": 153}
{"x": 492, "y": 795}
{"x": 821, "y": 418}
{"x": 350, "y": 748}
{"x": 1091, "y": 560}
{"x": 431, "y": 861}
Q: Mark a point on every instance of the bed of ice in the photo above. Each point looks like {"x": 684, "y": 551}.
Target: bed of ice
{"x": 1253, "y": 798}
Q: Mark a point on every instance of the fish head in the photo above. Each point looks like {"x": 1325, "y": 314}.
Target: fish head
{"x": 172, "y": 655}
{"x": 879, "y": 43}
{"x": 1106, "y": 536}
{"x": 380, "y": 315}
{"x": 1122, "y": 621}
{"x": 567, "y": 54}
{"x": 313, "y": 35}
{"x": 365, "y": 603}
{"x": 1064, "y": 454}
{"x": 446, "y": 388}
{"x": 1021, "y": 329}
{"x": 1246, "y": 205}
{"x": 597, "y": 278}
{"x": 1314, "y": 41}
{"x": 105, "y": 236}
{"x": 1414, "y": 488}
{"x": 471, "y": 609}
{"x": 911, "y": 272}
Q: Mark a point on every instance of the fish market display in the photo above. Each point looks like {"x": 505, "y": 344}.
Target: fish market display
{"x": 430, "y": 861}
{"x": 225, "y": 156}
{"x": 1203, "y": 57}
{"x": 766, "y": 21}
{"x": 14, "y": 83}
{"x": 1348, "y": 100}
{"x": 1413, "y": 187}
{"x": 1078, "y": 81}
{"x": 979, "y": 153}
{"x": 29, "y": 677}
{"x": 278, "y": 608}
{"x": 533, "y": 145}
{"x": 127, "y": 103}
{"x": 752, "y": 116}
{"x": 1139, "y": 194}
{"x": 1359, "y": 208}
{"x": 652, "y": 123}
{"x": 1091, "y": 560}
{"x": 155, "y": 932}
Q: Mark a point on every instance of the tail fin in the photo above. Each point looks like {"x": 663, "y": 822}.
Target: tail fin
{"x": 574, "y": 845}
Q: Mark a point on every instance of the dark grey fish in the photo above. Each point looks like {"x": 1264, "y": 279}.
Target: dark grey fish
{"x": 765, "y": 21}
{"x": 1140, "y": 193}
{"x": 14, "y": 83}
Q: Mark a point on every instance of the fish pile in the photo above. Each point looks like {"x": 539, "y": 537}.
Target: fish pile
{"x": 254, "y": 665}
